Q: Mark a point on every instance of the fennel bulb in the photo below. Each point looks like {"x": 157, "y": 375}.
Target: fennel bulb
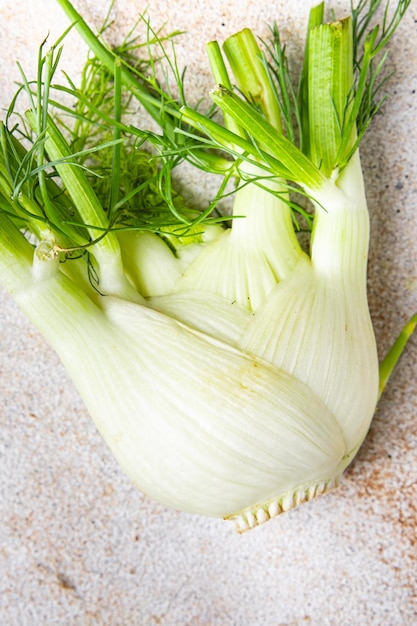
{"x": 231, "y": 372}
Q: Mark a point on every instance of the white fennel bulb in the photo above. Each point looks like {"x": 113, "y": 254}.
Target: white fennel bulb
{"x": 231, "y": 372}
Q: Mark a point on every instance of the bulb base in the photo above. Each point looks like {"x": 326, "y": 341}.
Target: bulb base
{"x": 261, "y": 513}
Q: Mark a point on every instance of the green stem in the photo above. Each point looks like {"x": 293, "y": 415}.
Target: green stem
{"x": 104, "y": 243}
{"x": 221, "y": 77}
{"x": 115, "y": 171}
{"x": 45, "y": 74}
{"x": 76, "y": 183}
{"x": 391, "y": 359}
{"x": 345, "y": 144}
{"x": 330, "y": 83}
{"x": 315, "y": 19}
{"x": 153, "y": 105}
{"x": 22, "y": 200}
{"x": 252, "y": 78}
{"x": 217, "y": 65}
{"x": 298, "y": 167}
{"x": 16, "y": 256}
{"x": 232, "y": 142}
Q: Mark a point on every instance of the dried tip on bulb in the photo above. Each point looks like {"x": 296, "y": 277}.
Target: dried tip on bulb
{"x": 256, "y": 516}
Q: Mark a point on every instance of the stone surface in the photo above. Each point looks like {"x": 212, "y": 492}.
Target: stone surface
{"x": 79, "y": 546}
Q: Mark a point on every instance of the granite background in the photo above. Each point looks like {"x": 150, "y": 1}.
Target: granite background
{"x": 80, "y": 546}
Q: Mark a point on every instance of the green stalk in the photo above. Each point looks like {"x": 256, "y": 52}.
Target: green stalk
{"x": 360, "y": 90}
{"x": 45, "y": 74}
{"x": 221, "y": 77}
{"x": 264, "y": 203}
{"x": 115, "y": 170}
{"x": 103, "y": 242}
{"x": 77, "y": 185}
{"x": 253, "y": 80}
{"x": 330, "y": 88}
{"x": 217, "y": 65}
{"x": 18, "y": 204}
{"x": 315, "y": 19}
{"x": 161, "y": 107}
{"x": 21, "y": 197}
{"x": 158, "y": 110}
{"x": 299, "y": 168}
{"x": 391, "y": 359}
{"x": 232, "y": 142}
{"x": 16, "y": 255}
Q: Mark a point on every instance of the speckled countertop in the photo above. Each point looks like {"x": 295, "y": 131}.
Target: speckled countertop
{"x": 79, "y": 546}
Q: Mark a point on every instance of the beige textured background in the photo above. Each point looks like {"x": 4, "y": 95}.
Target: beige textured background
{"x": 79, "y": 546}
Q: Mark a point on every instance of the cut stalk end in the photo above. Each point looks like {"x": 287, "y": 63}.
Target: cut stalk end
{"x": 261, "y": 513}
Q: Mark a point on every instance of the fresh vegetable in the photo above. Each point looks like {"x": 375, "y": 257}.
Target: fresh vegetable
{"x": 231, "y": 369}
